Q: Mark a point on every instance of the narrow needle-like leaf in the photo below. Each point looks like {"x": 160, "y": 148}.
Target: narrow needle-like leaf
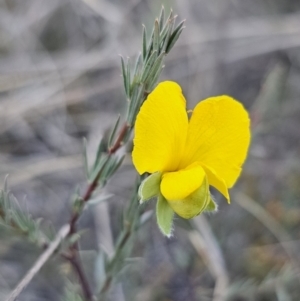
{"x": 124, "y": 74}
{"x": 161, "y": 17}
{"x": 128, "y": 77}
{"x": 175, "y": 35}
{"x": 156, "y": 36}
{"x": 148, "y": 66}
{"x": 144, "y": 42}
{"x": 85, "y": 159}
{"x": 156, "y": 67}
{"x": 113, "y": 133}
{"x": 137, "y": 66}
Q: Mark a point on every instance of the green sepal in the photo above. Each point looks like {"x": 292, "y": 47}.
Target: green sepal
{"x": 150, "y": 187}
{"x": 164, "y": 216}
{"x": 211, "y": 206}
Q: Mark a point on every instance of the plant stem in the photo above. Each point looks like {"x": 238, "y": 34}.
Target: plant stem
{"x": 76, "y": 263}
{"x": 73, "y": 257}
{"x": 119, "y": 140}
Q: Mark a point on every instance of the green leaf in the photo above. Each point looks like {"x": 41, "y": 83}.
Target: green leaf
{"x": 128, "y": 77}
{"x": 149, "y": 65}
{"x": 102, "y": 162}
{"x": 152, "y": 83}
{"x": 124, "y": 74}
{"x": 150, "y": 187}
{"x": 144, "y": 42}
{"x": 156, "y": 36}
{"x": 134, "y": 106}
{"x": 161, "y": 17}
{"x": 102, "y": 147}
{"x": 149, "y": 49}
{"x": 164, "y": 216}
{"x": 108, "y": 168}
{"x": 85, "y": 159}
{"x": 97, "y": 200}
{"x": 70, "y": 292}
{"x": 113, "y": 132}
{"x": 75, "y": 237}
{"x": 115, "y": 165}
{"x": 175, "y": 35}
{"x": 170, "y": 16}
{"x": 164, "y": 32}
{"x": 157, "y": 66}
{"x": 137, "y": 67}
{"x": 212, "y": 205}
{"x": 12, "y": 217}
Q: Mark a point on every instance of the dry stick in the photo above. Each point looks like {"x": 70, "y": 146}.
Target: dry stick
{"x": 206, "y": 245}
{"x": 62, "y": 233}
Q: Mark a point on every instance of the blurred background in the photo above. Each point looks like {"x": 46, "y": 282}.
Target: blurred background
{"x": 60, "y": 81}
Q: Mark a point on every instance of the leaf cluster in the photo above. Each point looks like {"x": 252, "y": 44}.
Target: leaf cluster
{"x": 13, "y": 217}
{"x": 140, "y": 81}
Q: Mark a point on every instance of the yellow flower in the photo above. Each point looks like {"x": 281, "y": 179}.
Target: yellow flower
{"x": 185, "y": 155}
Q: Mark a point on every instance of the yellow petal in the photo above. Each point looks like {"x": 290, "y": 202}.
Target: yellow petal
{"x": 218, "y": 137}
{"x": 180, "y": 184}
{"x": 160, "y": 130}
{"x": 194, "y": 204}
{"x": 216, "y": 182}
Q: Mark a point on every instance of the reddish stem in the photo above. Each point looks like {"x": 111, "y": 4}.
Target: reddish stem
{"x": 75, "y": 261}
{"x": 119, "y": 141}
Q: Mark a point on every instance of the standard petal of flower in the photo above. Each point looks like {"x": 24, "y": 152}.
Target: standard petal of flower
{"x": 180, "y": 184}
{"x": 219, "y": 137}
{"x": 160, "y": 130}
